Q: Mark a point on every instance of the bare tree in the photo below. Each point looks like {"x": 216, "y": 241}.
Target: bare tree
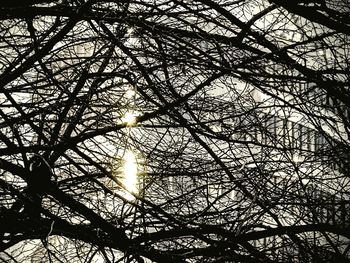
{"x": 174, "y": 131}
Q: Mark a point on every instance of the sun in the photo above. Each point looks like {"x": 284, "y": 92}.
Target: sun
{"x": 129, "y": 118}
{"x": 129, "y": 180}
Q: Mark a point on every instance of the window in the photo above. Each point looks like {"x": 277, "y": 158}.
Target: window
{"x": 303, "y": 139}
{"x": 319, "y": 142}
{"x": 311, "y": 140}
{"x": 296, "y": 134}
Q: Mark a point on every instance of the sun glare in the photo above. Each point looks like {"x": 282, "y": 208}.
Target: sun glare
{"x": 129, "y": 118}
{"x": 130, "y": 174}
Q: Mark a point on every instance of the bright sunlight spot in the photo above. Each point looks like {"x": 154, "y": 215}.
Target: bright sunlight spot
{"x": 129, "y": 118}
{"x": 130, "y": 174}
